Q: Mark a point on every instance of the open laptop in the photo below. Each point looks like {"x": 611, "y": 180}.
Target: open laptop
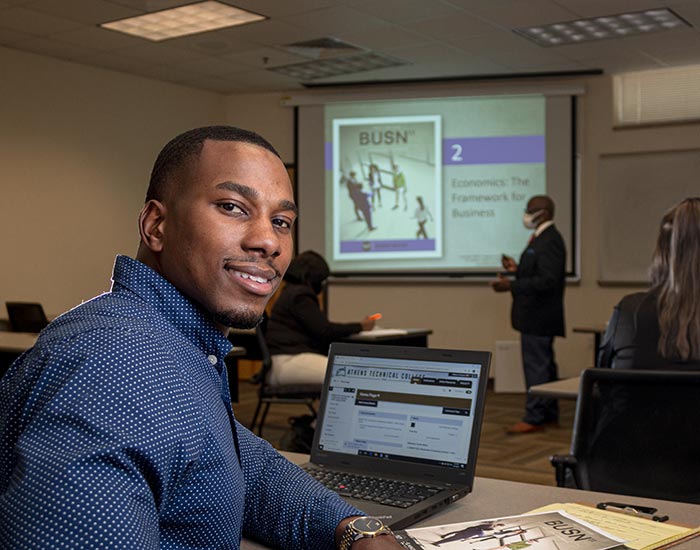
{"x": 409, "y": 415}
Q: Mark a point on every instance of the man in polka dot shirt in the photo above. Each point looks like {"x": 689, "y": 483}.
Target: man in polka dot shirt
{"x": 116, "y": 428}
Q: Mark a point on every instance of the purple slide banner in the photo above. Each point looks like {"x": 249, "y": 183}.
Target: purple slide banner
{"x": 481, "y": 150}
{"x": 493, "y": 150}
{"x": 396, "y": 245}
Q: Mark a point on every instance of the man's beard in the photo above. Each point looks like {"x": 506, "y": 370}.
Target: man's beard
{"x": 241, "y": 319}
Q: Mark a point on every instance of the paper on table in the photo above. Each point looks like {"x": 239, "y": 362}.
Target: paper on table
{"x": 640, "y": 533}
{"x": 546, "y": 531}
{"x": 384, "y": 332}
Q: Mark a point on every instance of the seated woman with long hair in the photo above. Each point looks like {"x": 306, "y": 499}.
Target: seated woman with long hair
{"x": 298, "y": 332}
{"x": 660, "y": 328}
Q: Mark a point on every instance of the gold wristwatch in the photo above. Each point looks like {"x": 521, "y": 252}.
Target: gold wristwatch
{"x": 361, "y": 528}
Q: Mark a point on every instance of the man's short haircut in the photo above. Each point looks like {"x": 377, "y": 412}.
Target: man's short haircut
{"x": 179, "y": 153}
{"x": 545, "y": 201}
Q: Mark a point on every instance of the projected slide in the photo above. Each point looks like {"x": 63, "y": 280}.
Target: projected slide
{"x": 435, "y": 184}
{"x": 387, "y": 198}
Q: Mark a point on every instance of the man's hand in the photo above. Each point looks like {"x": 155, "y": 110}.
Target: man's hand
{"x": 502, "y": 284}
{"x": 509, "y": 264}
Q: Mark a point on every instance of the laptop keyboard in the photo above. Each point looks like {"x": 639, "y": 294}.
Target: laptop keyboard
{"x": 384, "y": 491}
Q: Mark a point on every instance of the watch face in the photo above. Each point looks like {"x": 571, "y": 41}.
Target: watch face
{"x": 367, "y": 525}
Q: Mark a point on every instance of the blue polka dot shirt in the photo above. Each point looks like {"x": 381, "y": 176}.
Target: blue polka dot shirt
{"x": 116, "y": 431}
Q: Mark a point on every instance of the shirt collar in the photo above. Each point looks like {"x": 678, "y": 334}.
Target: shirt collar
{"x": 169, "y": 302}
{"x": 542, "y": 227}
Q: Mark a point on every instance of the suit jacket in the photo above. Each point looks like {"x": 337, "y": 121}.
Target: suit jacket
{"x": 538, "y": 288}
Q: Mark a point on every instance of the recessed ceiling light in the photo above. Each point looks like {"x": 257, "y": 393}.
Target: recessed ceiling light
{"x": 322, "y": 68}
{"x": 184, "y": 20}
{"x": 600, "y": 28}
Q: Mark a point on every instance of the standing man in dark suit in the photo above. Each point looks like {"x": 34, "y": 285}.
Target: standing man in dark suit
{"x": 538, "y": 308}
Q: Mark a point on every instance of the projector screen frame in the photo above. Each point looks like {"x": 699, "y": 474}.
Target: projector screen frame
{"x": 570, "y": 91}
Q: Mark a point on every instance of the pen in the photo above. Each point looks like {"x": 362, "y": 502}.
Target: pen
{"x": 631, "y": 509}
{"x": 375, "y": 317}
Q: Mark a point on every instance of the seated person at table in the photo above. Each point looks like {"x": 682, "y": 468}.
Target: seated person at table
{"x": 298, "y": 331}
{"x": 661, "y": 328}
{"x": 116, "y": 428}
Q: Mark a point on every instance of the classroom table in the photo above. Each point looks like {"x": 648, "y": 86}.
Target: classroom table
{"x": 494, "y": 497}
{"x": 392, "y": 336}
{"x": 12, "y": 345}
{"x": 567, "y": 388}
{"x": 597, "y": 331}
{"x": 17, "y": 342}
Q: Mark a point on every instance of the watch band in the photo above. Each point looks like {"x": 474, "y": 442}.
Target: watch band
{"x": 352, "y": 533}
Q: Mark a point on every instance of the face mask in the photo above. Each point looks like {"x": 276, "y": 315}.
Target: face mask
{"x": 529, "y": 219}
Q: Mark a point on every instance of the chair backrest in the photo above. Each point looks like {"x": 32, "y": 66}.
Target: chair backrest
{"x": 636, "y": 433}
{"x": 26, "y": 316}
{"x": 265, "y": 357}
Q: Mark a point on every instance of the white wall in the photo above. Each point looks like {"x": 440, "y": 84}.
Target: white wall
{"x": 77, "y": 145}
{"x": 76, "y": 148}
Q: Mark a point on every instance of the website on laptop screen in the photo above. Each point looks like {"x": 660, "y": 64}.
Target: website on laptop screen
{"x": 417, "y": 411}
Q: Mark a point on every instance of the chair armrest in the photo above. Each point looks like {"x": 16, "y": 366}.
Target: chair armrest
{"x": 561, "y": 464}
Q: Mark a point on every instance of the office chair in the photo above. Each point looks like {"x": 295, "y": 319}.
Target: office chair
{"x": 298, "y": 394}
{"x": 26, "y": 316}
{"x": 635, "y": 433}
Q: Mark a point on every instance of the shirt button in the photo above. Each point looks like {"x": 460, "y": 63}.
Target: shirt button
{"x": 213, "y": 360}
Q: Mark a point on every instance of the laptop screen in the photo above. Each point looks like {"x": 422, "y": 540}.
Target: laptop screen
{"x": 412, "y": 410}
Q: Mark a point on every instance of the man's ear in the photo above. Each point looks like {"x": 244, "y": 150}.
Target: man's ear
{"x": 152, "y": 225}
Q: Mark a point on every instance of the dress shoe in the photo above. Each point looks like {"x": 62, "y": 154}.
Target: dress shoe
{"x": 524, "y": 428}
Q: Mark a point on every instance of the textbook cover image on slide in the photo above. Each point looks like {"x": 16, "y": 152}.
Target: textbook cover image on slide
{"x": 546, "y": 531}
{"x": 387, "y": 187}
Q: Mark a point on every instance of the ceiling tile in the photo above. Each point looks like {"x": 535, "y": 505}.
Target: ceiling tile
{"x": 211, "y": 84}
{"x": 171, "y": 73}
{"x": 211, "y": 43}
{"x": 264, "y": 58}
{"x": 620, "y": 62}
{"x": 595, "y": 8}
{"x": 429, "y": 53}
{"x": 380, "y": 39}
{"x": 147, "y": 6}
{"x": 335, "y": 20}
{"x": 34, "y": 22}
{"x": 115, "y": 62}
{"x": 261, "y": 80}
{"x": 89, "y": 12}
{"x": 455, "y": 26}
{"x": 663, "y": 41}
{"x": 277, "y": 8}
{"x": 527, "y": 56}
{"x": 158, "y": 53}
{"x": 516, "y": 13}
{"x": 437, "y": 38}
{"x": 406, "y": 11}
{"x": 690, "y": 11}
{"x": 271, "y": 33}
{"x": 51, "y": 48}
{"x": 97, "y": 38}
{"x": 210, "y": 66}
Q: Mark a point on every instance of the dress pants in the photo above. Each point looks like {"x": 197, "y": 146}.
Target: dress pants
{"x": 539, "y": 367}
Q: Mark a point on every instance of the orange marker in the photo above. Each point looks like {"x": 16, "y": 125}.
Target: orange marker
{"x": 376, "y": 316}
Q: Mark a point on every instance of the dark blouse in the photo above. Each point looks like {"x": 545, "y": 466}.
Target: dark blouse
{"x": 297, "y": 324}
{"x": 632, "y": 337}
